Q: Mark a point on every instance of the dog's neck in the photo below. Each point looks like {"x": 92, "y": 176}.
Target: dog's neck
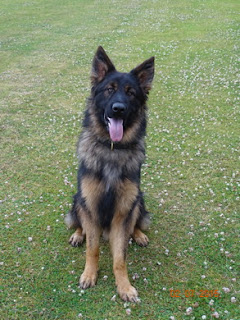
{"x": 118, "y": 145}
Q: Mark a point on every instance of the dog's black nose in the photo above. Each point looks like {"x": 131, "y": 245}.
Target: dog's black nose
{"x": 118, "y": 107}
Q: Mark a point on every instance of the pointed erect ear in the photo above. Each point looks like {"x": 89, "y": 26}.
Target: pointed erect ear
{"x": 101, "y": 65}
{"x": 145, "y": 72}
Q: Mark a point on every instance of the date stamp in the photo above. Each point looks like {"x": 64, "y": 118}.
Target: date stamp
{"x": 189, "y": 293}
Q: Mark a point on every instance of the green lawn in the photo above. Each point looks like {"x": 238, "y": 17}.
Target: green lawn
{"x": 191, "y": 174}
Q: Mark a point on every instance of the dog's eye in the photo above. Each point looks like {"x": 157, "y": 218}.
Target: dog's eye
{"x": 130, "y": 93}
{"x": 110, "y": 90}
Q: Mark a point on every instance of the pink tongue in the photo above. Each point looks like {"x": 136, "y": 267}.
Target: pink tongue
{"x": 115, "y": 129}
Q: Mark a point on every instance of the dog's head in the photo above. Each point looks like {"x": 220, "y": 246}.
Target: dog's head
{"x": 119, "y": 98}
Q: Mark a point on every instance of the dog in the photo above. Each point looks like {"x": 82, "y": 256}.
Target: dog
{"x": 111, "y": 150}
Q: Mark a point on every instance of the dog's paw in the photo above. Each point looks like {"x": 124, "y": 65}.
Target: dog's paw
{"x": 76, "y": 239}
{"x": 141, "y": 239}
{"x": 87, "y": 280}
{"x": 128, "y": 293}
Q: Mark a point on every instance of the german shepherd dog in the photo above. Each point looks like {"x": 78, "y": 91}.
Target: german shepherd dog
{"x": 111, "y": 151}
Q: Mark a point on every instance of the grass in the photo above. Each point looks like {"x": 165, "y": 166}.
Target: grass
{"x": 191, "y": 174}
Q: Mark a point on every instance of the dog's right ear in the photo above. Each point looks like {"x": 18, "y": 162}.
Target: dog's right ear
{"x": 101, "y": 65}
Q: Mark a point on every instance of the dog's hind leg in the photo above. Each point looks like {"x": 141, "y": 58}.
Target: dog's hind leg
{"x": 72, "y": 220}
{"x": 77, "y": 237}
{"x": 139, "y": 237}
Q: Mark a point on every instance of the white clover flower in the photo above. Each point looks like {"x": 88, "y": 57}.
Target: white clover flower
{"x": 113, "y": 298}
{"x": 215, "y": 315}
{"x": 189, "y": 311}
{"x": 166, "y": 252}
{"x": 135, "y": 276}
{"x": 128, "y": 311}
{"x": 211, "y": 302}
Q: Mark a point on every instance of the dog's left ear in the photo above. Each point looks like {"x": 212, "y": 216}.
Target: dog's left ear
{"x": 145, "y": 73}
{"x": 101, "y": 65}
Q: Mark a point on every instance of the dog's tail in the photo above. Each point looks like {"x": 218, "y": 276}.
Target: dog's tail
{"x": 71, "y": 219}
{"x": 143, "y": 221}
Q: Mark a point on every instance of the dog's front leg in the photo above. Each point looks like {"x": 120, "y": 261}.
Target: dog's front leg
{"x": 119, "y": 242}
{"x": 89, "y": 277}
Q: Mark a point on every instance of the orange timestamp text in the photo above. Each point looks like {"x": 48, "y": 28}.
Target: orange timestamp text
{"x": 189, "y": 293}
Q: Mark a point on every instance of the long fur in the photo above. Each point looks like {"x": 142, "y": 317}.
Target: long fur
{"x": 109, "y": 198}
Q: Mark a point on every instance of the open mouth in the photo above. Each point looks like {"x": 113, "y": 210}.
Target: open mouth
{"x": 115, "y": 127}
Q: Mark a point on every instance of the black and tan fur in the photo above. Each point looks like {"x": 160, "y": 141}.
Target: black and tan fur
{"x": 109, "y": 199}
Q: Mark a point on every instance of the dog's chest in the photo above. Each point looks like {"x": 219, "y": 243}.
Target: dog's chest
{"x": 112, "y": 173}
{"x": 110, "y": 166}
